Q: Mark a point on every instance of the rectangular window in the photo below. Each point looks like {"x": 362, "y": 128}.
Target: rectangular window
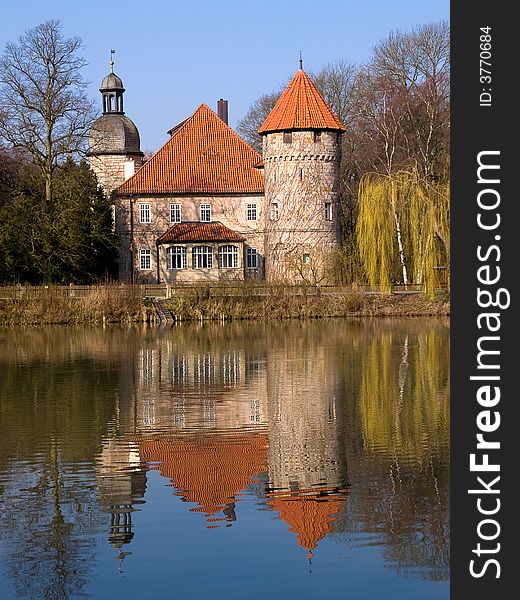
{"x": 202, "y": 257}
{"x": 176, "y": 257}
{"x": 317, "y": 136}
{"x": 144, "y": 213}
{"x": 228, "y": 257}
{"x": 205, "y": 213}
{"x": 287, "y": 137}
{"x": 145, "y": 259}
{"x": 175, "y": 213}
{"x": 275, "y": 215}
{"x": 251, "y": 212}
{"x": 306, "y": 259}
{"x": 328, "y": 211}
{"x": 251, "y": 258}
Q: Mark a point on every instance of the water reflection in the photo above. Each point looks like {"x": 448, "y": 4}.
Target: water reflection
{"x": 336, "y": 429}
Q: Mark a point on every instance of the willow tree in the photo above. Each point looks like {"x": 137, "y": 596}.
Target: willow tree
{"x": 403, "y": 220}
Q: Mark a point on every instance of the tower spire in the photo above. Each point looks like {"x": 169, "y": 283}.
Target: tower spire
{"x": 301, "y": 61}
{"x": 111, "y": 62}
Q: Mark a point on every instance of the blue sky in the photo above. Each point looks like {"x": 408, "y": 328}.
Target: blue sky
{"x": 172, "y": 55}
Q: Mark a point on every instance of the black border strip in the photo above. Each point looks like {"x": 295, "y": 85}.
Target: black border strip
{"x": 478, "y": 128}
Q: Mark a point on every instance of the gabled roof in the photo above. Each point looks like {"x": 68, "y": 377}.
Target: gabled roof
{"x": 199, "y": 232}
{"x": 301, "y": 106}
{"x": 209, "y": 471}
{"x": 202, "y": 156}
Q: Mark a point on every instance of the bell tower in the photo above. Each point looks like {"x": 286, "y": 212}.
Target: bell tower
{"x": 114, "y": 145}
{"x": 112, "y": 91}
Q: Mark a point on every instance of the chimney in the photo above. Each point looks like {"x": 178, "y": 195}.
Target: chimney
{"x": 222, "y": 110}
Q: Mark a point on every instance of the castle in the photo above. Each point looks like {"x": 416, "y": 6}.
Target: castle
{"x": 207, "y": 207}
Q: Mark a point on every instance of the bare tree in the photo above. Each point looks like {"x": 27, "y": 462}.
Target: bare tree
{"x": 337, "y": 82}
{"x": 43, "y": 106}
{"x": 413, "y": 57}
{"x": 249, "y": 125}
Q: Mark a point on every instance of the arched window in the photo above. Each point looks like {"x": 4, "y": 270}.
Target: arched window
{"x": 202, "y": 257}
{"x": 176, "y": 257}
{"x": 228, "y": 257}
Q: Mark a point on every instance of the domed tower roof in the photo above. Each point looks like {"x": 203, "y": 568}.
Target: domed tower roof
{"x": 113, "y": 132}
{"x": 111, "y": 82}
{"x": 301, "y": 106}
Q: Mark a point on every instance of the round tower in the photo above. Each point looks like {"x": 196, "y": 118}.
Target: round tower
{"x": 302, "y": 153}
{"x": 114, "y": 145}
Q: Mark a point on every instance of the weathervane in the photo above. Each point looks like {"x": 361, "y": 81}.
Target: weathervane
{"x": 301, "y": 60}
{"x": 111, "y": 63}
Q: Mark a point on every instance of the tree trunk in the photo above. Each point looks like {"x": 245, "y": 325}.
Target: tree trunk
{"x": 401, "y": 248}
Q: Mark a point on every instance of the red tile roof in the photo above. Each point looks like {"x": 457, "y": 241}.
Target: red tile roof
{"x": 301, "y": 106}
{"x": 310, "y": 517}
{"x": 202, "y": 156}
{"x": 199, "y": 232}
{"x": 209, "y": 471}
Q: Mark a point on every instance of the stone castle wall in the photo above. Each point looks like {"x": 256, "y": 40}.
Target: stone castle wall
{"x": 301, "y": 200}
{"x": 230, "y": 210}
{"x": 110, "y": 169}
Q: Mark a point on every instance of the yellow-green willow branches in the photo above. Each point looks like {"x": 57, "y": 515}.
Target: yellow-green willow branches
{"x": 403, "y": 229}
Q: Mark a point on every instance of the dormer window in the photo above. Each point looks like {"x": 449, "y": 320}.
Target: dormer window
{"x": 287, "y": 137}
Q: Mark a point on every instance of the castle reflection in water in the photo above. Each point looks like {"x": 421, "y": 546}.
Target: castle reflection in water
{"x": 303, "y": 437}
{"x": 214, "y": 417}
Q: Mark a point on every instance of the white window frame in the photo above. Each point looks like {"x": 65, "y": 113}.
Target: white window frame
{"x": 175, "y": 213}
{"x": 275, "y": 211}
{"x": 202, "y": 257}
{"x": 145, "y": 213}
{"x": 145, "y": 259}
{"x": 328, "y": 211}
{"x": 205, "y": 211}
{"x": 251, "y": 211}
{"x": 179, "y": 254}
{"x": 251, "y": 258}
{"x": 228, "y": 257}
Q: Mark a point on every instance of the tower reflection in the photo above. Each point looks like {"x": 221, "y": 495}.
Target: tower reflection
{"x": 212, "y": 416}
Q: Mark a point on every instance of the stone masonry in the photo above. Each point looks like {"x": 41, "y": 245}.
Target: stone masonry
{"x": 301, "y": 171}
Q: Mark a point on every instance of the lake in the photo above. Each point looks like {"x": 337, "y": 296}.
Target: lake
{"x": 226, "y": 460}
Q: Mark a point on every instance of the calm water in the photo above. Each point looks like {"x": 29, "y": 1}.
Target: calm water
{"x": 286, "y": 460}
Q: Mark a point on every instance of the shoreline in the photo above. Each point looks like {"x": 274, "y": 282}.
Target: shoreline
{"x": 105, "y": 305}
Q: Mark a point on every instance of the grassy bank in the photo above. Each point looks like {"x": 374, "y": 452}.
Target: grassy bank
{"x": 102, "y": 304}
{"x": 124, "y": 304}
{"x": 282, "y": 303}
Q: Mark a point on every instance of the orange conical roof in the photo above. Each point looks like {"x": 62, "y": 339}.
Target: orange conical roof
{"x": 310, "y": 517}
{"x": 301, "y": 106}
